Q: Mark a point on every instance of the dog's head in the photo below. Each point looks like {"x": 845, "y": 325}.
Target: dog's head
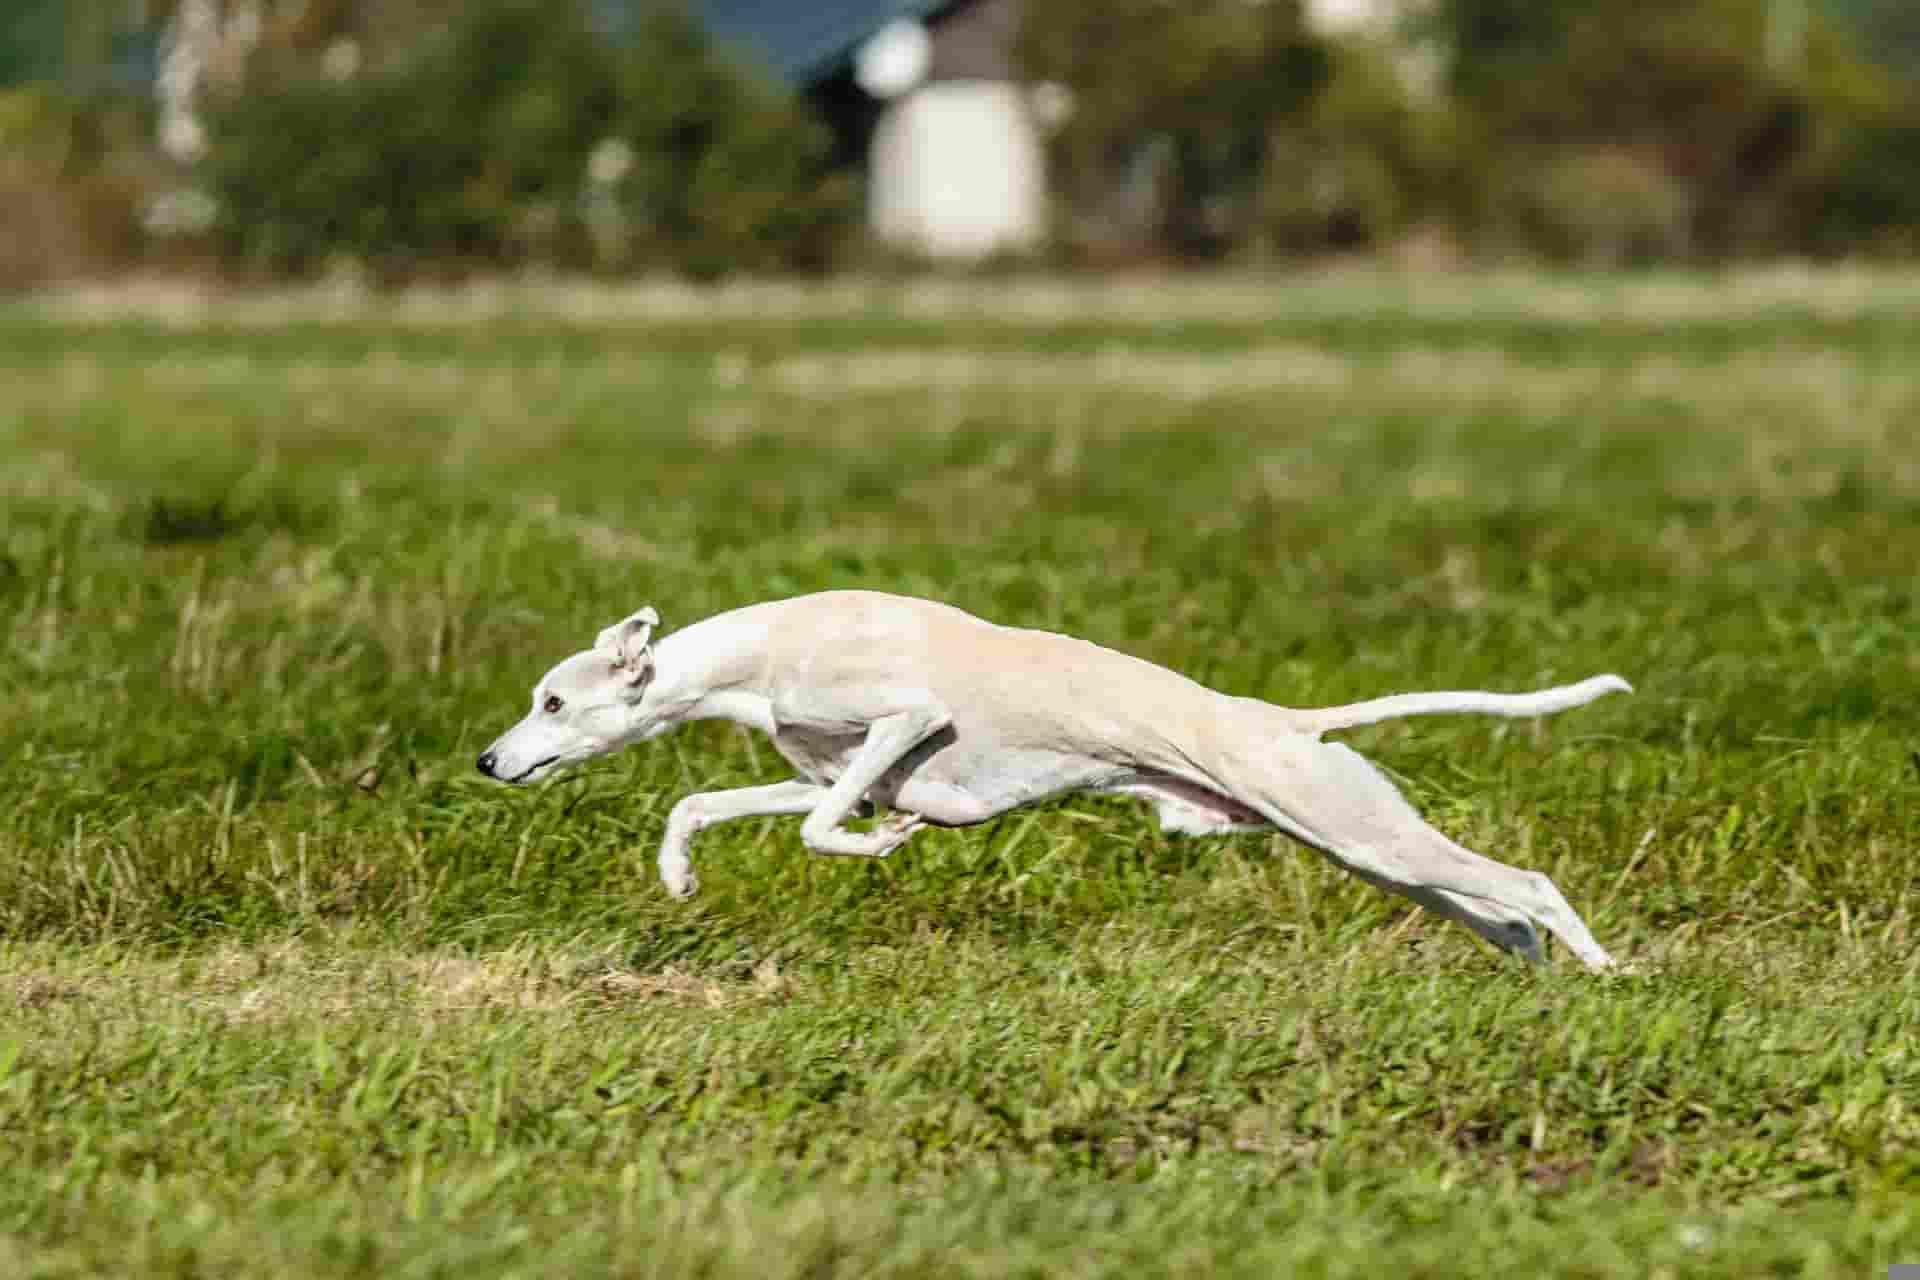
{"x": 590, "y": 704}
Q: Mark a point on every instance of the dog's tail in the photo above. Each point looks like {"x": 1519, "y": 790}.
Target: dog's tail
{"x": 1545, "y": 702}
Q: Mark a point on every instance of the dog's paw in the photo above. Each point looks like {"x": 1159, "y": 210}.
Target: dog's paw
{"x": 883, "y": 839}
{"x": 680, "y": 880}
{"x": 895, "y": 831}
{"x": 1600, "y": 962}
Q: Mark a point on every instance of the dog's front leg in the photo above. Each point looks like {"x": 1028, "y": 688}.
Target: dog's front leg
{"x": 888, "y": 739}
{"x": 696, "y": 813}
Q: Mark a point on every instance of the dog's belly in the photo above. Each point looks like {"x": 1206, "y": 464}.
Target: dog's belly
{"x": 955, "y": 788}
{"x": 945, "y": 779}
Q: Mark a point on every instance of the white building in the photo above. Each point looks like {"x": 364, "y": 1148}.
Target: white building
{"x": 928, "y": 90}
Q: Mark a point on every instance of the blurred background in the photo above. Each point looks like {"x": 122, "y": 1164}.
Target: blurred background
{"x": 403, "y": 140}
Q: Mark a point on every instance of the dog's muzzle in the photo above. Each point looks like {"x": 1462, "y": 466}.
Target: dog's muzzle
{"x": 488, "y": 764}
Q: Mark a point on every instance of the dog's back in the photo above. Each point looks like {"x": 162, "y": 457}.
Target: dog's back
{"x": 1014, "y": 687}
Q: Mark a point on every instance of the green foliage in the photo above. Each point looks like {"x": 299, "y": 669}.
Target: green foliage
{"x": 476, "y": 146}
{"x": 1178, "y": 100}
{"x": 286, "y": 988}
{"x": 1601, "y": 206}
{"x": 1580, "y": 130}
{"x": 1869, "y": 196}
{"x": 1709, "y": 113}
{"x": 727, "y": 172}
{"x": 1367, "y": 158}
{"x": 1888, "y": 32}
{"x": 33, "y": 42}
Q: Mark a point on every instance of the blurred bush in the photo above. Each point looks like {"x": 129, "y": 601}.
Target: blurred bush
{"x": 513, "y": 132}
{"x": 1888, "y": 31}
{"x": 1868, "y": 198}
{"x": 1174, "y": 109}
{"x": 727, "y": 171}
{"x": 1370, "y": 158}
{"x": 72, "y": 184}
{"x": 1600, "y": 132}
{"x": 1594, "y": 204}
{"x": 1615, "y": 130}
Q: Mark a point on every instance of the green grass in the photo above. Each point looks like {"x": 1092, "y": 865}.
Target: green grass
{"x": 287, "y": 989}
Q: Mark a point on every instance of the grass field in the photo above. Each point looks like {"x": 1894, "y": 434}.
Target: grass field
{"x": 287, "y": 989}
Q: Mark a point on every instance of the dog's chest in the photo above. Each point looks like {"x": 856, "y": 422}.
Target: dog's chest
{"x": 816, "y": 755}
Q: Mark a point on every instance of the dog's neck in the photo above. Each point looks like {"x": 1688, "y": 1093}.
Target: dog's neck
{"x": 711, "y": 670}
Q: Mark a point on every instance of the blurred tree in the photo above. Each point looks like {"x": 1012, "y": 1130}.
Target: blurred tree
{"x": 1738, "y": 104}
{"x": 1175, "y": 99}
{"x": 1370, "y": 157}
{"x": 77, "y": 46}
{"x": 1888, "y": 31}
{"x": 513, "y": 130}
{"x": 33, "y": 41}
{"x": 73, "y": 157}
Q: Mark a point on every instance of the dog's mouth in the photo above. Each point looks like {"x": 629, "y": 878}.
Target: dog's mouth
{"x": 532, "y": 769}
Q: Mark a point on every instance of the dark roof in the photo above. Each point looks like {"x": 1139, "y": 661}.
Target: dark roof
{"x": 803, "y": 41}
{"x": 806, "y": 41}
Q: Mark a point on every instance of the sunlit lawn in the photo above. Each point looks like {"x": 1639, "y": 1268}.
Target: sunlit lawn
{"x": 286, "y": 989}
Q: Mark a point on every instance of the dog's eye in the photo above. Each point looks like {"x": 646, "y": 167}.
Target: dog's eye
{"x": 552, "y": 705}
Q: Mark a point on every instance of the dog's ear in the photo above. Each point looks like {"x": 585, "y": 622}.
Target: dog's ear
{"x": 626, "y": 642}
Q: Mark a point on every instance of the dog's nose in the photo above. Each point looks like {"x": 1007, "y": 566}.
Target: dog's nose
{"x": 485, "y": 763}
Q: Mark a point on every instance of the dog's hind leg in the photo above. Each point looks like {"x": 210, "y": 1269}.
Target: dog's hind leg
{"x": 695, "y": 813}
{"x": 1189, "y": 811}
{"x": 1346, "y": 808}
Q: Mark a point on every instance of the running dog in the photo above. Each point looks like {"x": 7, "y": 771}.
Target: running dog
{"x": 887, "y": 702}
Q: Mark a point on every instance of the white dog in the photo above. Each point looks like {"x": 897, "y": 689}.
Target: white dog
{"x": 922, "y": 709}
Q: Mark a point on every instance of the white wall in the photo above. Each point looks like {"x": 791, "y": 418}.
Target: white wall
{"x": 957, "y": 171}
